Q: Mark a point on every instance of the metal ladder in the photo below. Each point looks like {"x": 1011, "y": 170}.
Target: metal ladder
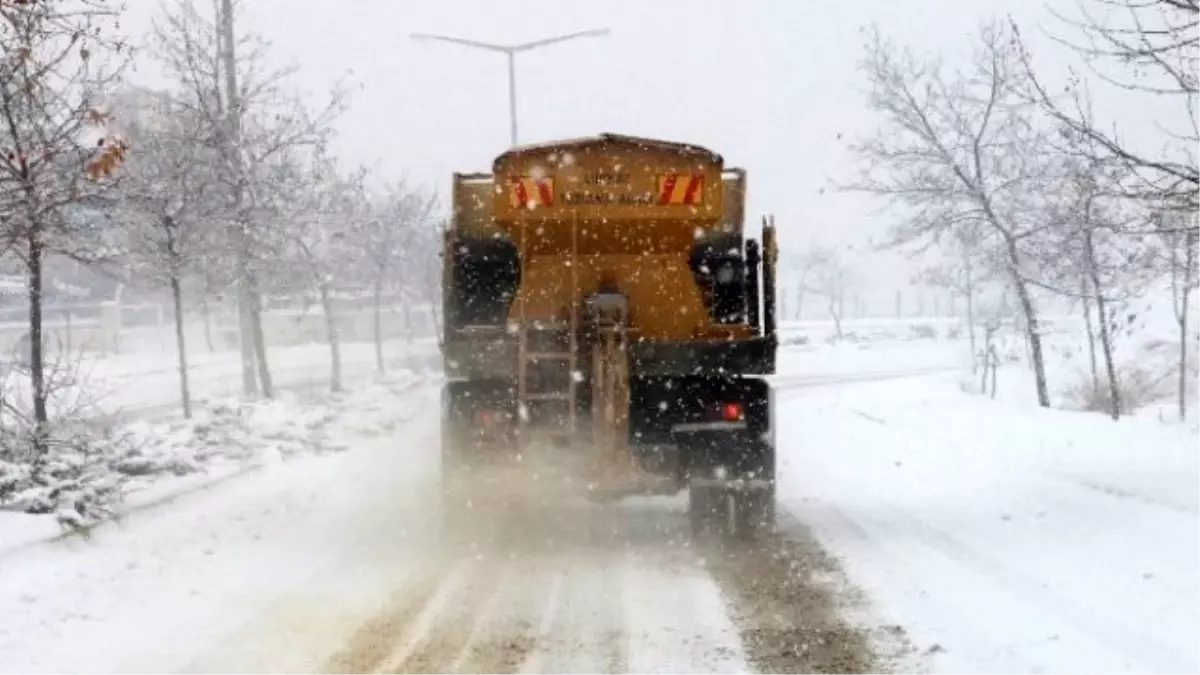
{"x": 531, "y": 340}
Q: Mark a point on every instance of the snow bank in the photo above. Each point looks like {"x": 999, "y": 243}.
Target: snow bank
{"x": 81, "y": 483}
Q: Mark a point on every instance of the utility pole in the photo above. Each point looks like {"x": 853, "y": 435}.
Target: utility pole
{"x": 232, "y": 140}
{"x": 511, "y": 52}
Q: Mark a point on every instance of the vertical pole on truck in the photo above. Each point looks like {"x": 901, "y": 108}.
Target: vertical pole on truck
{"x": 523, "y": 340}
{"x": 770, "y": 259}
{"x": 573, "y": 327}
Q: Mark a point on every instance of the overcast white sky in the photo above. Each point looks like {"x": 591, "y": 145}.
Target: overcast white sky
{"x": 769, "y": 84}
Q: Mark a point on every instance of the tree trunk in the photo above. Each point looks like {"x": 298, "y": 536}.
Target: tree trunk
{"x": 1091, "y": 335}
{"x": 37, "y": 373}
{"x": 985, "y": 358}
{"x": 377, "y": 296}
{"x": 408, "y": 327}
{"x": 248, "y": 316}
{"x": 1025, "y": 339}
{"x": 207, "y": 314}
{"x": 837, "y": 319}
{"x": 260, "y": 342}
{"x": 1114, "y": 389}
{"x": 1184, "y": 291}
{"x": 1033, "y": 335}
{"x": 67, "y": 317}
{"x": 1183, "y": 361}
{"x": 800, "y": 302}
{"x": 969, "y": 284}
{"x": 185, "y": 396}
{"x": 331, "y": 332}
{"x": 994, "y": 360}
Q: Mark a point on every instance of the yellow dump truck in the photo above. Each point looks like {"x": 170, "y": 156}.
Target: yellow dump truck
{"x": 602, "y": 303}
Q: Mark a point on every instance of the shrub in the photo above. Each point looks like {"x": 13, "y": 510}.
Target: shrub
{"x": 1137, "y": 386}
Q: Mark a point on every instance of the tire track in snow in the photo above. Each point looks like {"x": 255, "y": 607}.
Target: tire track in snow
{"x": 605, "y": 589}
{"x": 548, "y": 618}
{"x": 483, "y": 619}
{"x": 1118, "y": 493}
{"x": 375, "y": 641}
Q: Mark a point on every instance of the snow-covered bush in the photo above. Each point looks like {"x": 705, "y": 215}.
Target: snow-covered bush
{"x": 922, "y": 331}
{"x": 71, "y": 476}
{"x": 87, "y": 468}
{"x": 1137, "y": 386}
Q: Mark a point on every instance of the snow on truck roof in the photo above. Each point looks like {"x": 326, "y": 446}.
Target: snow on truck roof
{"x": 614, "y": 139}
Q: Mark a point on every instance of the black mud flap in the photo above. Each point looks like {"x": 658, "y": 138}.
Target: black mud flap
{"x": 743, "y": 509}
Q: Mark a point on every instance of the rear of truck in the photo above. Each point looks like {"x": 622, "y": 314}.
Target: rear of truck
{"x": 604, "y": 311}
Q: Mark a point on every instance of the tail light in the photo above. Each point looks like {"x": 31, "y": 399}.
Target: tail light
{"x": 733, "y": 411}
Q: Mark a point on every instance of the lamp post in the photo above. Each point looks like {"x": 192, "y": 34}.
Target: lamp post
{"x": 511, "y": 52}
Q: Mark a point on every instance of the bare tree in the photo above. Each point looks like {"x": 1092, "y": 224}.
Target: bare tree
{"x": 1086, "y": 222}
{"x": 832, "y": 278}
{"x": 1150, "y": 47}
{"x": 424, "y": 264}
{"x": 252, "y": 117}
{"x": 961, "y": 273}
{"x": 958, "y": 149}
{"x": 316, "y": 210}
{"x": 168, "y": 208}
{"x": 1180, "y": 256}
{"x": 389, "y": 240}
{"x": 803, "y": 265}
{"x": 56, "y": 151}
{"x": 1089, "y": 253}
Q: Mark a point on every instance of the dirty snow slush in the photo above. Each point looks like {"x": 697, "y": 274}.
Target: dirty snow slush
{"x": 618, "y": 588}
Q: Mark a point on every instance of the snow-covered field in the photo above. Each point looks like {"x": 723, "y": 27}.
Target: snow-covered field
{"x": 978, "y": 535}
{"x": 1004, "y": 539}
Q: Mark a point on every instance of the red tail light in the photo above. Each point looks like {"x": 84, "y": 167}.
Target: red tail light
{"x": 733, "y": 412}
{"x": 486, "y": 418}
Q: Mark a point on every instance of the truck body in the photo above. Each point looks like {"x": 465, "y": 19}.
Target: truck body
{"x": 601, "y": 293}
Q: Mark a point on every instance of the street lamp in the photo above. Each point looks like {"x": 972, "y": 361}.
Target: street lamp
{"x": 511, "y": 52}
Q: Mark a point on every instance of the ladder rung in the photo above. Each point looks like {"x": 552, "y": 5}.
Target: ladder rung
{"x": 543, "y": 432}
{"x": 546, "y": 325}
{"x": 549, "y": 396}
{"x": 547, "y": 356}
